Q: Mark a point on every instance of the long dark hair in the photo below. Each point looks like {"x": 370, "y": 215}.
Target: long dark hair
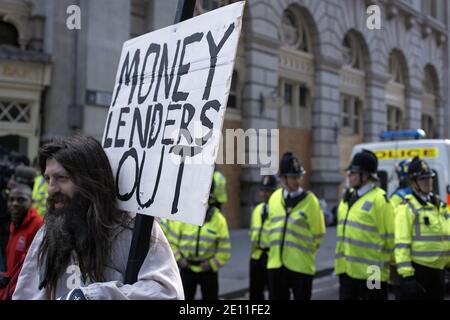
{"x": 88, "y": 166}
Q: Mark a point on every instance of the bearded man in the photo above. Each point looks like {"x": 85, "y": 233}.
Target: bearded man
{"x": 82, "y": 250}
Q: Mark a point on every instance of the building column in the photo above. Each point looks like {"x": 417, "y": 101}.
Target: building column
{"x": 259, "y": 111}
{"x": 375, "y": 110}
{"x": 325, "y": 177}
{"x": 413, "y": 114}
{"x": 441, "y": 121}
{"x": 443, "y": 108}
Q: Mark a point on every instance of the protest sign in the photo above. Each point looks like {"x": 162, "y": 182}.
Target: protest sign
{"x": 170, "y": 82}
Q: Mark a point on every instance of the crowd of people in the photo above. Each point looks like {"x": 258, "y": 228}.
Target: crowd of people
{"x": 81, "y": 251}
{"x": 400, "y": 242}
{"x": 22, "y": 205}
{"x": 61, "y": 219}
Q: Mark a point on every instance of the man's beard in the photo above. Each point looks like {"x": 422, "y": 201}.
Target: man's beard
{"x": 66, "y": 230}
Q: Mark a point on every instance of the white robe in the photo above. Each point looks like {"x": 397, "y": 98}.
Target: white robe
{"x": 158, "y": 278}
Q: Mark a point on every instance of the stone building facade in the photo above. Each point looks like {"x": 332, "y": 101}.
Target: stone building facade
{"x": 311, "y": 68}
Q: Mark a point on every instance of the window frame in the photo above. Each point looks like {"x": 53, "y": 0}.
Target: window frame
{"x": 427, "y": 124}
{"x": 304, "y": 112}
{"x": 353, "y": 115}
{"x": 398, "y": 113}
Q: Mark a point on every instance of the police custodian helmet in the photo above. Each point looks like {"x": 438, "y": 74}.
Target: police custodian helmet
{"x": 402, "y": 170}
{"x": 268, "y": 183}
{"x": 364, "y": 161}
{"x": 290, "y": 166}
{"x": 419, "y": 168}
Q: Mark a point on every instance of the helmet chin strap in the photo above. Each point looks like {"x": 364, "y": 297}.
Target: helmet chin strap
{"x": 360, "y": 181}
{"x": 419, "y": 189}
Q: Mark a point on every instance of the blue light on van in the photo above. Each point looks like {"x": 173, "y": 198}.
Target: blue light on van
{"x": 401, "y": 134}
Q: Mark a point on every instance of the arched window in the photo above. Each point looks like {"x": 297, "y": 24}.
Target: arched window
{"x": 8, "y": 34}
{"x": 430, "y": 101}
{"x": 430, "y": 81}
{"x": 296, "y": 68}
{"x": 396, "y": 91}
{"x": 352, "y": 53}
{"x": 395, "y": 118}
{"x": 294, "y": 31}
{"x": 352, "y": 86}
{"x": 396, "y": 68}
{"x": 351, "y": 114}
{"x": 349, "y": 131}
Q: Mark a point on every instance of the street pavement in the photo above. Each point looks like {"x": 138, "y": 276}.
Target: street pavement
{"x": 234, "y": 276}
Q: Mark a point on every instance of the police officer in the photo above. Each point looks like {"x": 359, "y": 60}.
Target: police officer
{"x": 397, "y": 197}
{"x": 296, "y": 229}
{"x": 167, "y": 226}
{"x": 401, "y": 169}
{"x": 365, "y": 233}
{"x": 422, "y": 237}
{"x": 219, "y": 184}
{"x": 201, "y": 251}
{"x": 259, "y": 238}
{"x": 40, "y": 190}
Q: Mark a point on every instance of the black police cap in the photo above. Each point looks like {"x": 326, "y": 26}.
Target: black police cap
{"x": 291, "y": 166}
{"x": 268, "y": 183}
{"x": 419, "y": 168}
{"x": 364, "y": 161}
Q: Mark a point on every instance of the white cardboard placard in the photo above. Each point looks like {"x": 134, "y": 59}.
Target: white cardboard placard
{"x": 175, "y": 78}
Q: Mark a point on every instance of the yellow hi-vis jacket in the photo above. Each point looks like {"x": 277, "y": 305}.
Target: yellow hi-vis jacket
{"x": 163, "y": 223}
{"x": 294, "y": 237}
{"x": 398, "y": 196}
{"x": 166, "y": 226}
{"x": 422, "y": 235}
{"x": 40, "y": 194}
{"x": 259, "y": 231}
{"x": 365, "y": 236}
{"x": 209, "y": 242}
{"x": 220, "y": 187}
{"x": 170, "y": 229}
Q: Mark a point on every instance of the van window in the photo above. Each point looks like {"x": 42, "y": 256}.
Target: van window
{"x": 383, "y": 177}
{"x": 436, "y": 183}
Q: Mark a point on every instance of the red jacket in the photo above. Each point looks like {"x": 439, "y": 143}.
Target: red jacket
{"x": 20, "y": 239}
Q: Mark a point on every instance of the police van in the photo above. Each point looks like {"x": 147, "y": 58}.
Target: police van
{"x": 390, "y": 151}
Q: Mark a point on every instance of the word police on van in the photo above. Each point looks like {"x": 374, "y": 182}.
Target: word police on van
{"x": 397, "y": 147}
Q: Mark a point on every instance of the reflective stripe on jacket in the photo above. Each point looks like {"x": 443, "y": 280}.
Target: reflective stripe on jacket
{"x": 422, "y": 235}
{"x": 294, "y": 237}
{"x": 259, "y": 235}
{"x": 220, "y": 187}
{"x": 40, "y": 194}
{"x": 365, "y": 236}
{"x": 209, "y": 242}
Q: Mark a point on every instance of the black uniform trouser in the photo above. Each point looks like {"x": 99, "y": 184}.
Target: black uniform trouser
{"x": 394, "y": 282}
{"x": 282, "y": 280}
{"x": 356, "y": 289}
{"x": 258, "y": 277}
{"x": 208, "y": 281}
{"x": 432, "y": 282}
